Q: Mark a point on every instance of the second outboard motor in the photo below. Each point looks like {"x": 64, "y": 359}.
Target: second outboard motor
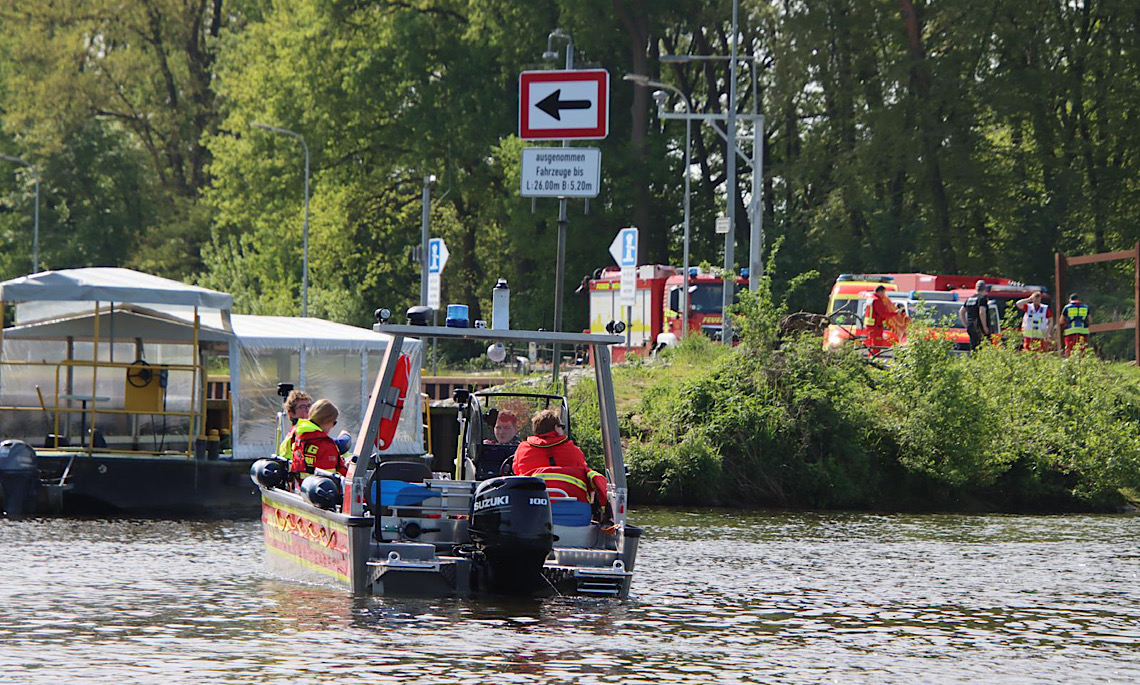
{"x": 19, "y": 477}
{"x": 321, "y": 491}
{"x": 269, "y": 473}
{"x": 511, "y": 527}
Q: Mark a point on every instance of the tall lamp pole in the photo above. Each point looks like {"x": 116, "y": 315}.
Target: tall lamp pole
{"x": 646, "y": 82}
{"x": 730, "y": 237}
{"x": 756, "y": 232}
{"x": 425, "y": 237}
{"x": 305, "y": 231}
{"x": 36, "y": 222}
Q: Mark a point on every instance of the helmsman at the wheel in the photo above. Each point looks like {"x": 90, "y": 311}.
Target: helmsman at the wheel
{"x": 551, "y": 455}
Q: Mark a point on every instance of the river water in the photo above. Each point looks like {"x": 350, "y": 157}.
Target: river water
{"x": 720, "y": 597}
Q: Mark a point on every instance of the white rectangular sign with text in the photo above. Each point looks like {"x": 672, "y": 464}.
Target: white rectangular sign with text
{"x": 561, "y": 172}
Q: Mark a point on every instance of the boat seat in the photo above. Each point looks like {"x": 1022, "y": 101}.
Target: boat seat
{"x": 386, "y": 485}
{"x": 571, "y": 520}
{"x": 569, "y": 512}
{"x": 410, "y": 471}
{"x": 397, "y": 493}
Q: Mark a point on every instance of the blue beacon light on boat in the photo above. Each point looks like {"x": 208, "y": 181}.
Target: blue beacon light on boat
{"x": 457, "y": 316}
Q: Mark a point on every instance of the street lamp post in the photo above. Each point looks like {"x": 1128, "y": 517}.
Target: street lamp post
{"x": 429, "y": 181}
{"x": 646, "y": 82}
{"x": 305, "y": 230}
{"x": 756, "y": 223}
{"x": 36, "y": 220}
{"x": 730, "y": 237}
{"x": 757, "y": 161}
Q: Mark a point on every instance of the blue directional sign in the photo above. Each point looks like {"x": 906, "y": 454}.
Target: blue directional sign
{"x": 624, "y": 247}
{"x": 437, "y": 255}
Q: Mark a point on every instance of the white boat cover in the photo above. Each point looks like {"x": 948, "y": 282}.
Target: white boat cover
{"x": 109, "y": 284}
{"x": 325, "y": 358}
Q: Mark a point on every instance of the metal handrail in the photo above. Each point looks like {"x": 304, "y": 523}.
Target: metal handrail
{"x": 88, "y": 447}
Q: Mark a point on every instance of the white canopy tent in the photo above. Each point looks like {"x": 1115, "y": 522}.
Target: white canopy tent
{"x": 139, "y": 315}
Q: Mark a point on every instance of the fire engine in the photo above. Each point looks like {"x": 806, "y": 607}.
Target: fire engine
{"x": 656, "y": 313}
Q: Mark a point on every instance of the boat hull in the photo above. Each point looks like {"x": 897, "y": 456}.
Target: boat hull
{"x": 311, "y": 544}
{"x": 151, "y": 486}
{"x": 307, "y": 543}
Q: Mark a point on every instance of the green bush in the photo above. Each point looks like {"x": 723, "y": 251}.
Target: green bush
{"x": 684, "y": 473}
{"x": 782, "y": 422}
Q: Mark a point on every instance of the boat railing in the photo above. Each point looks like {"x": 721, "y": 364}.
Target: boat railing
{"x": 61, "y": 397}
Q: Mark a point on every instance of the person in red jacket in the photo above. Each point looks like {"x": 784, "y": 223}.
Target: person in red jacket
{"x": 312, "y": 446}
{"x": 884, "y": 323}
{"x": 551, "y": 455}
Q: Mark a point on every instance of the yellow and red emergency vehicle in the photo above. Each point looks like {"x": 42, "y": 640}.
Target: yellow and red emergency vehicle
{"x": 845, "y": 309}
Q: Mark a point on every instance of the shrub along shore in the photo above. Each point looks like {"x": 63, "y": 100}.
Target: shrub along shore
{"x": 783, "y": 423}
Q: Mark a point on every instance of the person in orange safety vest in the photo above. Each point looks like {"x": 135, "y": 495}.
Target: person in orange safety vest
{"x": 312, "y": 446}
{"x": 551, "y": 455}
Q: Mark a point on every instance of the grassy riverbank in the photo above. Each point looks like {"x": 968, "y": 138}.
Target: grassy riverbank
{"x": 782, "y": 423}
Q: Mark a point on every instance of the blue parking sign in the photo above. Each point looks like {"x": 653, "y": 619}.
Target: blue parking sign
{"x": 624, "y": 247}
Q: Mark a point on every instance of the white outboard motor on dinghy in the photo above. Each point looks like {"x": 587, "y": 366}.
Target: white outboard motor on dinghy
{"x": 19, "y": 478}
{"x": 511, "y": 530}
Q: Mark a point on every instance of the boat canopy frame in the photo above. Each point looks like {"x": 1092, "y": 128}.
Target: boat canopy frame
{"x": 382, "y": 402}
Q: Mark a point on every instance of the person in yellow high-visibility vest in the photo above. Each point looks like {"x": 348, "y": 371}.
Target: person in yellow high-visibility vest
{"x": 1075, "y": 324}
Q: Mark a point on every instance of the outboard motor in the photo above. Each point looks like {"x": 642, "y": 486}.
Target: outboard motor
{"x": 511, "y": 529}
{"x": 19, "y": 477}
{"x": 321, "y": 491}
{"x": 269, "y": 473}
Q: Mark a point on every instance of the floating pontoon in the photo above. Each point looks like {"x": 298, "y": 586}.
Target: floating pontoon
{"x": 144, "y": 396}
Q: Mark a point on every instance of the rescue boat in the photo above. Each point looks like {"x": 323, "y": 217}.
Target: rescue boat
{"x": 394, "y": 526}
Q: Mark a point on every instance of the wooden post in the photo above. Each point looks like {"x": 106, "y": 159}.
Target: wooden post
{"x": 1136, "y": 305}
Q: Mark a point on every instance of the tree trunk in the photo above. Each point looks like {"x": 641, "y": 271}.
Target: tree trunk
{"x": 654, "y": 237}
{"x": 920, "y": 84}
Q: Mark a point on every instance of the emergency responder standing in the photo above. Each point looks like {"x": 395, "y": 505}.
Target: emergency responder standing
{"x": 880, "y": 314}
{"x": 1034, "y": 324}
{"x": 975, "y": 315}
{"x": 1075, "y": 324}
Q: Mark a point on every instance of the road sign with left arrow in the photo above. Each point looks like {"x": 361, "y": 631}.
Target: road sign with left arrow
{"x": 560, "y": 105}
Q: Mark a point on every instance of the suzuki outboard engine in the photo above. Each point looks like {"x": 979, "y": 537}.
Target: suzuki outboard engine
{"x": 269, "y": 473}
{"x": 321, "y": 491}
{"x": 511, "y": 529}
{"x": 19, "y": 478}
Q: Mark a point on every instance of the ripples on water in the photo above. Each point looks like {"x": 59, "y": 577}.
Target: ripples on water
{"x": 719, "y": 598}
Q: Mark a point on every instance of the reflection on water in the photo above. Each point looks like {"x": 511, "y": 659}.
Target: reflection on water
{"x": 719, "y": 598}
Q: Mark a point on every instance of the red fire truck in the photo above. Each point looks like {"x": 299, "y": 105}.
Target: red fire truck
{"x": 656, "y": 316}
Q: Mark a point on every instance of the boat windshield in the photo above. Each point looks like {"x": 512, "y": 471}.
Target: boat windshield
{"x": 521, "y": 407}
